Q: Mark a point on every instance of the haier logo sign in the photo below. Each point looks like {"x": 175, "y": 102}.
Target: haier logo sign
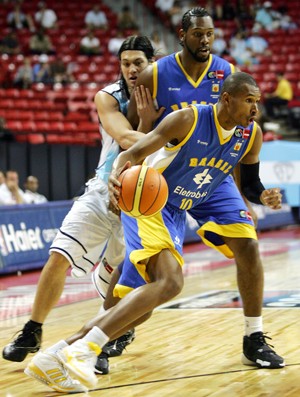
{"x": 19, "y": 240}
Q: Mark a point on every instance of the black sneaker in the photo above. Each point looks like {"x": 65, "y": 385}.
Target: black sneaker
{"x": 115, "y": 347}
{"x": 256, "y": 351}
{"x": 29, "y": 341}
{"x": 102, "y": 364}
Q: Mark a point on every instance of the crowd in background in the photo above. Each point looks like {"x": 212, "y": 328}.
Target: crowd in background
{"x": 12, "y": 194}
{"x": 245, "y": 46}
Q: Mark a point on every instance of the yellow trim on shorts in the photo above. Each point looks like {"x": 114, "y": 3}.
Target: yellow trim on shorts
{"x": 236, "y": 230}
{"x": 121, "y": 290}
{"x": 153, "y": 244}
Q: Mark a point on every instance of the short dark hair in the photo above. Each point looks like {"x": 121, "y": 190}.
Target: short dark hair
{"x": 138, "y": 43}
{"x": 235, "y": 82}
{"x": 198, "y": 12}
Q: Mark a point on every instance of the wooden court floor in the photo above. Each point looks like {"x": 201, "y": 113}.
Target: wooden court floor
{"x": 190, "y": 347}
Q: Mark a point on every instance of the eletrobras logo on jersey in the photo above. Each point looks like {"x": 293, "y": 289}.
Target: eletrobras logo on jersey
{"x": 19, "y": 240}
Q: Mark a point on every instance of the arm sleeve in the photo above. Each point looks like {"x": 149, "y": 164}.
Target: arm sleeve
{"x": 251, "y": 185}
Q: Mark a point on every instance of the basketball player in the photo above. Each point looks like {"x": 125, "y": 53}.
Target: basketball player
{"x": 91, "y": 227}
{"x": 192, "y": 76}
{"x": 196, "y": 174}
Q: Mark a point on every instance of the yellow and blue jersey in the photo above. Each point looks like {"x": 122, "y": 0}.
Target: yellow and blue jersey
{"x": 181, "y": 90}
{"x": 196, "y": 166}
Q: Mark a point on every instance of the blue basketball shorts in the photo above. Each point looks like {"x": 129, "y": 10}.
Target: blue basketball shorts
{"x": 223, "y": 214}
{"x": 145, "y": 238}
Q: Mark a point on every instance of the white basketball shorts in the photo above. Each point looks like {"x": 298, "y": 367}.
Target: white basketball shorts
{"x": 90, "y": 232}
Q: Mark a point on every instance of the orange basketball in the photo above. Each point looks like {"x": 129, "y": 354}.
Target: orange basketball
{"x": 144, "y": 191}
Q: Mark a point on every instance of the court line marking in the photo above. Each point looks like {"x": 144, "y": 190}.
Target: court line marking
{"x": 184, "y": 377}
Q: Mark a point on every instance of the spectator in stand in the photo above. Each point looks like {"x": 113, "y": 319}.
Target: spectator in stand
{"x": 10, "y": 192}
{"x": 158, "y": 44}
{"x": 24, "y": 75}
{"x": 219, "y": 46}
{"x": 257, "y": 44}
{"x": 32, "y": 196}
{"x": 178, "y": 9}
{"x": 280, "y": 97}
{"x": 96, "y": 19}
{"x": 254, "y": 7}
{"x": 286, "y": 21}
{"x": 175, "y": 13}
{"x": 40, "y": 43}
{"x": 267, "y": 18}
{"x": 126, "y": 20}
{"x": 10, "y": 44}
{"x": 114, "y": 43}
{"x": 42, "y": 71}
{"x": 239, "y": 50}
{"x": 61, "y": 74}
{"x": 45, "y": 17}
{"x": 90, "y": 44}
{"x": 5, "y": 133}
{"x": 17, "y": 19}
{"x": 215, "y": 10}
{"x": 164, "y": 5}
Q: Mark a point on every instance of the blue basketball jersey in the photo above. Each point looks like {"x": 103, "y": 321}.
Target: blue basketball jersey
{"x": 174, "y": 89}
{"x": 203, "y": 160}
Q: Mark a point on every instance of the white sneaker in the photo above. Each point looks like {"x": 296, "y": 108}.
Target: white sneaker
{"x": 80, "y": 359}
{"x": 46, "y": 368}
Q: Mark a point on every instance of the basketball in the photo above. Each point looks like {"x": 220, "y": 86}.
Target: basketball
{"x": 144, "y": 191}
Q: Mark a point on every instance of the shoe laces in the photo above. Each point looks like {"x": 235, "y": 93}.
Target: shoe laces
{"x": 261, "y": 337}
{"x": 23, "y": 334}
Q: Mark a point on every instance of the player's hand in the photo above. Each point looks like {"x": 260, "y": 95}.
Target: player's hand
{"x": 114, "y": 184}
{"x": 271, "y": 198}
{"x": 145, "y": 106}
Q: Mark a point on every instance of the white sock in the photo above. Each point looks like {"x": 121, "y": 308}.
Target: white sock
{"x": 253, "y": 324}
{"x": 58, "y": 346}
{"x": 97, "y": 336}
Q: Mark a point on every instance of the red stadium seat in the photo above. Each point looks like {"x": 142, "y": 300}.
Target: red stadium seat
{"x": 42, "y": 126}
{"x": 292, "y": 76}
{"x": 14, "y": 125}
{"x": 36, "y": 139}
{"x": 69, "y": 126}
{"x": 24, "y": 115}
{"x": 76, "y": 116}
{"x": 28, "y": 126}
{"x": 6, "y": 103}
{"x": 87, "y": 127}
{"x": 277, "y": 67}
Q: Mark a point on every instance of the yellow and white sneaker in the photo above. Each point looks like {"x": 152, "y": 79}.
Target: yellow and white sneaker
{"x": 80, "y": 359}
{"x": 46, "y": 368}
